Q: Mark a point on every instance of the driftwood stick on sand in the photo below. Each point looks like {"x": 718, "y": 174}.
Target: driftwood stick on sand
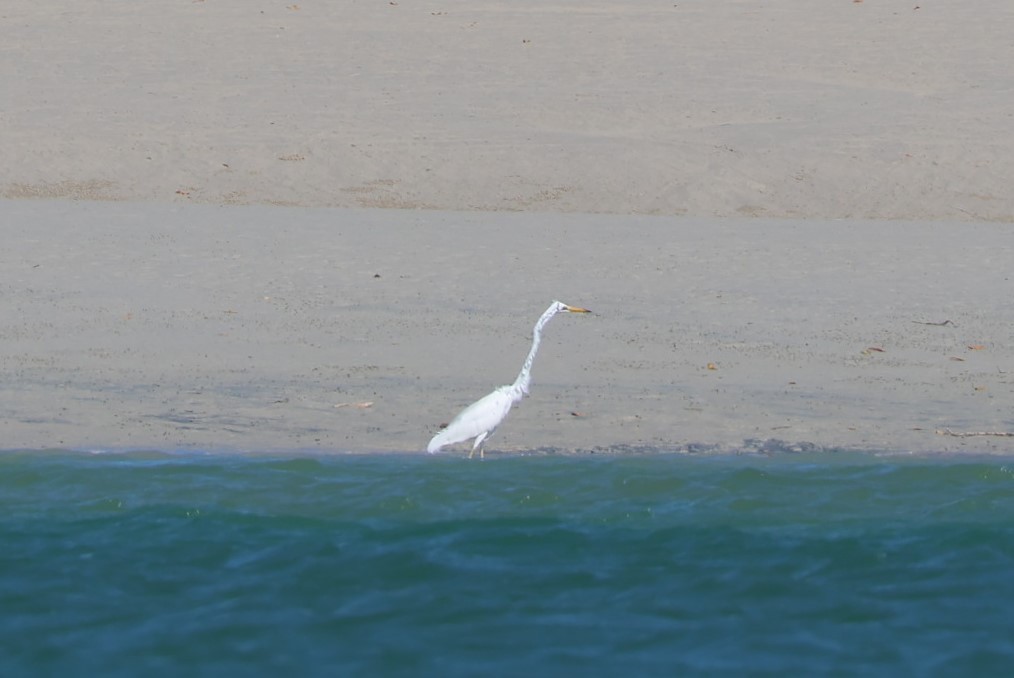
{"x": 969, "y": 434}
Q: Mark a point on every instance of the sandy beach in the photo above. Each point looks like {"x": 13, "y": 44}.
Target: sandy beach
{"x": 316, "y": 226}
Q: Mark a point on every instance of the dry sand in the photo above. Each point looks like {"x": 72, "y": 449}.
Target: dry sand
{"x": 197, "y": 250}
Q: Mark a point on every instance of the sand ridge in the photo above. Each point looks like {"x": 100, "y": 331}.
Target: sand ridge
{"x": 795, "y": 109}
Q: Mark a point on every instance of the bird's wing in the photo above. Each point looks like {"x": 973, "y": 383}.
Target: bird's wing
{"x": 482, "y": 416}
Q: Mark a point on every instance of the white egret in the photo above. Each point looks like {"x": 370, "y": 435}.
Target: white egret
{"x": 480, "y": 419}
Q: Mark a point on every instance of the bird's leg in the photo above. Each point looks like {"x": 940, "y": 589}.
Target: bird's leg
{"x": 479, "y": 444}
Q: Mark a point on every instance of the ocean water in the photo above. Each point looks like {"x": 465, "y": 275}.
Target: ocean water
{"x": 788, "y": 564}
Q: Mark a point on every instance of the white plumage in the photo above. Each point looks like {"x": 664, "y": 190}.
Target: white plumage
{"x": 480, "y": 419}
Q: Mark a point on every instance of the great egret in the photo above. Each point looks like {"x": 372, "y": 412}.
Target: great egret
{"x": 480, "y": 419}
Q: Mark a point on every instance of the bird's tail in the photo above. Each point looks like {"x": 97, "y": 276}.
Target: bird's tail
{"x": 438, "y": 441}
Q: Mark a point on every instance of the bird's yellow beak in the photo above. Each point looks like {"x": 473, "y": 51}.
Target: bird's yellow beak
{"x": 577, "y": 309}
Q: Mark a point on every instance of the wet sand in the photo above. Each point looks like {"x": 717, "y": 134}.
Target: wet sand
{"x": 231, "y": 225}
{"x": 257, "y": 328}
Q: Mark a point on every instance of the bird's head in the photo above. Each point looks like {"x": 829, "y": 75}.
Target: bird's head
{"x": 562, "y": 307}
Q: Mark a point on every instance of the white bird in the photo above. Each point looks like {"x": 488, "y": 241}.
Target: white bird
{"x": 480, "y": 419}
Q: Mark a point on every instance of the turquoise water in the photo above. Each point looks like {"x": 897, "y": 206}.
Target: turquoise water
{"x": 153, "y": 564}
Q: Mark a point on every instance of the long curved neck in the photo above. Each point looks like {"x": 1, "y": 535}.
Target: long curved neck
{"x": 521, "y": 384}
